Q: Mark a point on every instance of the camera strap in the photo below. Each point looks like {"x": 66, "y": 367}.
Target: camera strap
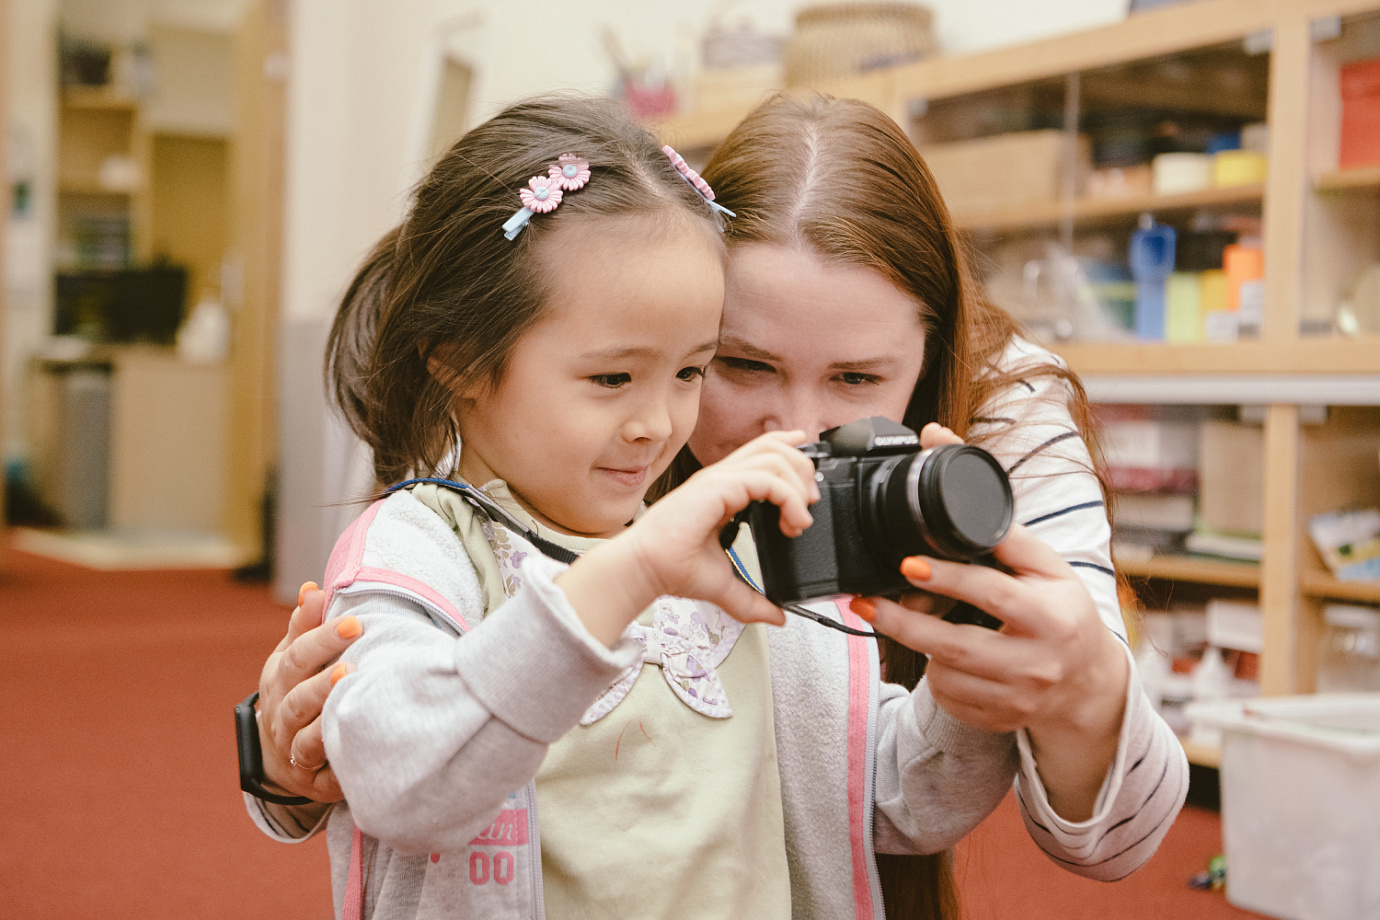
{"x": 799, "y": 610}
{"x": 495, "y": 512}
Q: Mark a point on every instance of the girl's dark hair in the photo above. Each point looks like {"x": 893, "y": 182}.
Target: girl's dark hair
{"x": 839, "y": 177}
{"x": 446, "y": 283}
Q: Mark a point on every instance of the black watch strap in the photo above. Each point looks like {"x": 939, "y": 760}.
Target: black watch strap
{"x": 252, "y": 756}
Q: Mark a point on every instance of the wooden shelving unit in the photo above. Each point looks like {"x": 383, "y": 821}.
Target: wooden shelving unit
{"x": 1193, "y": 569}
{"x": 1321, "y": 224}
{"x": 1090, "y": 211}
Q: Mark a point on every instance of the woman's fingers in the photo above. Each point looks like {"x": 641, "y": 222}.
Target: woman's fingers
{"x": 308, "y": 760}
{"x": 974, "y": 649}
{"x": 936, "y": 435}
{"x": 317, "y": 647}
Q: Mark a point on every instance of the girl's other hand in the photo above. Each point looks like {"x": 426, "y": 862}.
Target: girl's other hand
{"x": 677, "y": 540}
{"x": 293, "y": 688}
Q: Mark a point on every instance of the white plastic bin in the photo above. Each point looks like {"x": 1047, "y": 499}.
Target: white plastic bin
{"x": 1301, "y": 804}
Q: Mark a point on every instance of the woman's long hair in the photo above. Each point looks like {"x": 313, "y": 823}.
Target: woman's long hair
{"x": 839, "y": 177}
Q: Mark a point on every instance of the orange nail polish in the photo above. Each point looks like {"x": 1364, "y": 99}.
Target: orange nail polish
{"x": 302, "y": 591}
{"x": 348, "y": 628}
{"x": 863, "y": 608}
{"x": 916, "y": 568}
{"x": 340, "y": 671}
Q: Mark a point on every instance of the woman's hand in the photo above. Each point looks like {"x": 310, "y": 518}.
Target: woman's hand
{"x": 1053, "y": 668}
{"x": 674, "y": 547}
{"x": 292, "y": 691}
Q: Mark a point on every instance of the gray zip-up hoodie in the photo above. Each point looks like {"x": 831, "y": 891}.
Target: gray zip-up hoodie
{"x": 436, "y": 740}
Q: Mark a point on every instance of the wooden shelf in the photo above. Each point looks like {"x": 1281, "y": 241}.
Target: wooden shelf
{"x": 1320, "y": 356}
{"x": 1193, "y": 569}
{"x": 99, "y": 99}
{"x": 1326, "y": 586}
{"x": 1342, "y": 179}
{"x": 1204, "y": 755}
{"x": 1103, "y": 210}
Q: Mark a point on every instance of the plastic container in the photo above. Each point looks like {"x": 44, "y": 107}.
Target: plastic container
{"x": 1181, "y": 173}
{"x": 1349, "y": 655}
{"x": 1300, "y": 780}
{"x": 1152, "y": 261}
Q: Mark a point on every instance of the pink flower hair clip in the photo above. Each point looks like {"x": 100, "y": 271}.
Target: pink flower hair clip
{"x": 544, "y": 193}
{"x": 692, "y": 177}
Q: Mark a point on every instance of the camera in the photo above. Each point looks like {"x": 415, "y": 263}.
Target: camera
{"x": 883, "y": 498}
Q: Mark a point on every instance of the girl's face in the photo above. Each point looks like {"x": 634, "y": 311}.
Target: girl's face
{"x": 805, "y": 344}
{"x": 603, "y": 391}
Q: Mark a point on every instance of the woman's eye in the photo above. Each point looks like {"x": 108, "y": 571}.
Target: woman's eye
{"x": 690, "y": 373}
{"x": 746, "y": 365}
{"x": 612, "y": 381}
{"x": 854, "y": 379}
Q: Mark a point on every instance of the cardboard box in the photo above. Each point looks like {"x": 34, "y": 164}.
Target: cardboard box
{"x": 1231, "y": 477}
{"x": 1360, "y": 132}
{"x": 1006, "y": 170}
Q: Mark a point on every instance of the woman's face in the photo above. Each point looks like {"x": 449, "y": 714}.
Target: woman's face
{"x": 805, "y": 344}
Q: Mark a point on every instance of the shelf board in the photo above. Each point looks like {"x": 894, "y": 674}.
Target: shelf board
{"x": 1204, "y": 755}
{"x": 99, "y": 98}
{"x": 1193, "y": 569}
{"x": 70, "y": 187}
{"x": 1342, "y": 179}
{"x": 1101, "y": 210}
{"x": 1318, "y": 585}
{"x": 1323, "y": 356}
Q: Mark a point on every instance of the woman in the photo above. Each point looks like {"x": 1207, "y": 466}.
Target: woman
{"x": 847, "y": 295}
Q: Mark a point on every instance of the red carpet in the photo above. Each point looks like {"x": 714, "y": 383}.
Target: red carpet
{"x": 118, "y": 791}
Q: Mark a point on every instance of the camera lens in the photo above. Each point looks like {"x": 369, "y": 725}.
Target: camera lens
{"x": 952, "y": 501}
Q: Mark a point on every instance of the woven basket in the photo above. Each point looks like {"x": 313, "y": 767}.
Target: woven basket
{"x": 838, "y": 40}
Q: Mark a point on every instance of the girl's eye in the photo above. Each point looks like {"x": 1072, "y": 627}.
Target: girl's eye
{"x": 853, "y": 379}
{"x": 690, "y": 373}
{"x": 744, "y": 365}
{"x": 612, "y": 381}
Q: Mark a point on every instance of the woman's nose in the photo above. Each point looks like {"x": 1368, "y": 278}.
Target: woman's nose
{"x": 796, "y": 411}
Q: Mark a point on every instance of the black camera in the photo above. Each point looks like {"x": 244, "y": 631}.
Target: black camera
{"x": 882, "y": 499}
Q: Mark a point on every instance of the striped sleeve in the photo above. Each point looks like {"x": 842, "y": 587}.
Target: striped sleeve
{"x": 1058, "y": 497}
{"x": 1140, "y": 798}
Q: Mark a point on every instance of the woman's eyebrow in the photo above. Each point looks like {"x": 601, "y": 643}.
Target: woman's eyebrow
{"x": 748, "y": 349}
{"x": 867, "y": 364}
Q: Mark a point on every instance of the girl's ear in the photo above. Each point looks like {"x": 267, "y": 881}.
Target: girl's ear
{"x": 440, "y": 364}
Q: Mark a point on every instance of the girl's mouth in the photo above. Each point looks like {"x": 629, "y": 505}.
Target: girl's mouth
{"x": 632, "y": 476}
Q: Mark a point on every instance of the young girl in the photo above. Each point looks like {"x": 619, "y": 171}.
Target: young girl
{"x": 564, "y": 356}
{"x": 841, "y": 303}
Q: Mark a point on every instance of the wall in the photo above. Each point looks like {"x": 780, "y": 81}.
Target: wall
{"x": 31, "y": 64}
{"x": 363, "y": 84}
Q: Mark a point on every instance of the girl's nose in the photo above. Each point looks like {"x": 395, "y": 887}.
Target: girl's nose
{"x": 651, "y": 423}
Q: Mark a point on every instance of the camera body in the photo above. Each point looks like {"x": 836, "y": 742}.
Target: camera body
{"x": 882, "y": 498}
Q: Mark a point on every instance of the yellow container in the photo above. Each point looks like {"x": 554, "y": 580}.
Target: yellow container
{"x": 1238, "y": 167}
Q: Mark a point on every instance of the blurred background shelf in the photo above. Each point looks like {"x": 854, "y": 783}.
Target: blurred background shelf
{"x": 1193, "y": 569}
{"x": 1092, "y": 211}
{"x": 1325, "y": 586}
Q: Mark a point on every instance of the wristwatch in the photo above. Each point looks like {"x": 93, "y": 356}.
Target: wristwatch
{"x": 252, "y": 756}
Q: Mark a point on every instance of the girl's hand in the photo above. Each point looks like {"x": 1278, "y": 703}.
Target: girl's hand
{"x": 292, "y": 690}
{"x": 674, "y": 547}
{"x": 678, "y": 537}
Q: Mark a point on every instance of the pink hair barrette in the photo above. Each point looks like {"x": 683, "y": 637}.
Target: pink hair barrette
{"x": 543, "y": 193}
{"x": 692, "y": 177}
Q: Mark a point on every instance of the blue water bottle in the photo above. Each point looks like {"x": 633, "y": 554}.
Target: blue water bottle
{"x": 1152, "y": 261}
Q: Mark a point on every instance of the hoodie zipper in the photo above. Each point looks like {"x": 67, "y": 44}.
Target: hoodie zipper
{"x": 533, "y": 823}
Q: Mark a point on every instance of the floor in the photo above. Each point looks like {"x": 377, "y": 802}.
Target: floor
{"x": 118, "y": 781}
